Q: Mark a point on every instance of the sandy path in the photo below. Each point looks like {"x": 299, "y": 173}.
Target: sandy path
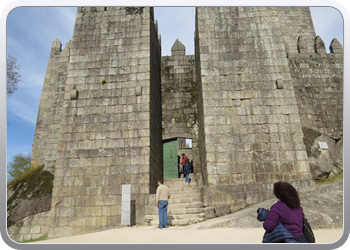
{"x": 183, "y": 235}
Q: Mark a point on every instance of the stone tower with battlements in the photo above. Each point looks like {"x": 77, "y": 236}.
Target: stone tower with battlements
{"x": 258, "y": 80}
{"x": 107, "y": 134}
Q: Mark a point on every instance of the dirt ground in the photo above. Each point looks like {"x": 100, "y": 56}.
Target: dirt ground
{"x": 323, "y": 208}
{"x": 183, "y": 235}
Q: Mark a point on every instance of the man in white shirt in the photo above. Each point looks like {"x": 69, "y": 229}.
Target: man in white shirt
{"x": 162, "y": 197}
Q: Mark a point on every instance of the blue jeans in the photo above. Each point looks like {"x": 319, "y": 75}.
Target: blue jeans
{"x": 301, "y": 239}
{"x": 163, "y": 213}
{"x": 187, "y": 178}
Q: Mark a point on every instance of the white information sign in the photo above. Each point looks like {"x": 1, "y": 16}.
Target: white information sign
{"x": 323, "y": 144}
{"x": 126, "y": 202}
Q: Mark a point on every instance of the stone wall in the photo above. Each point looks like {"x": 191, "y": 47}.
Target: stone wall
{"x": 252, "y": 130}
{"x": 179, "y": 98}
{"x": 318, "y": 85}
{"x": 156, "y": 143}
{"x": 200, "y": 111}
{"x": 47, "y": 128}
{"x": 255, "y": 84}
{"x": 295, "y": 21}
{"x": 105, "y": 137}
{"x": 32, "y": 227}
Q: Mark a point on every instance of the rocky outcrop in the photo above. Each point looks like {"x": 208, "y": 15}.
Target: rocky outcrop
{"x": 29, "y": 194}
{"x": 323, "y": 208}
{"x": 329, "y": 160}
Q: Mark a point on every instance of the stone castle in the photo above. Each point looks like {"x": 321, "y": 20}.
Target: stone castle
{"x": 259, "y": 86}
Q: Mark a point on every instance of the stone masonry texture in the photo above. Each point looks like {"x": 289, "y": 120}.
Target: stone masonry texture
{"x": 47, "y": 128}
{"x": 259, "y": 78}
{"x": 318, "y": 86}
{"x": 251, "y": 126}
{"x": 179, "y": 100}
{"x": 109, "y": 135}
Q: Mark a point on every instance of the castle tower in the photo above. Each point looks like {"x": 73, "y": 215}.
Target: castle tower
{"x": 179, "y": 107}
{"x": 250, "y": 132}
{"x": 294, "y": 22}
{"x": 47, "y": 128}
{"x": 111, "y": 107}
{"x": 108, "y": 132}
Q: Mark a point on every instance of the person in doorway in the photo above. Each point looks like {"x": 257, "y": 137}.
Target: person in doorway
{"x": 162, "y": 197}
{"x": 178, "y": 169}
{"x": 284, "y": 222}
{"x": 184, "y": 157}
{"x": 187, "y": 171}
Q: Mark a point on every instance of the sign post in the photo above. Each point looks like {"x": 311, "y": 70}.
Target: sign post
{"x": 126, "y": 202}
{"x": 323, "y": 145}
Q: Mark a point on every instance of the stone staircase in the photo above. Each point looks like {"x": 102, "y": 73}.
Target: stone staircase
{"x": 185, "y": 205}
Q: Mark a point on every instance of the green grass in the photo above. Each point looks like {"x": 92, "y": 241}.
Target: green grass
{"x": 332, "y": 180}
{"x": 44, "y": 237}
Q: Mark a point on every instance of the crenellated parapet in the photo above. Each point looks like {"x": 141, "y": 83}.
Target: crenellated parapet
{"x": 336, "y": 47}
{"x": 318, "y": 84}
{"x": 111, "y": 108}
{"x": 319, "y": 46}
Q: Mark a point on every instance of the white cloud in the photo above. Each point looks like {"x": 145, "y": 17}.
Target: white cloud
{"x": 67, "y": 16}
{"x": 21, "y": 108}
{"x": 29, "y": 40}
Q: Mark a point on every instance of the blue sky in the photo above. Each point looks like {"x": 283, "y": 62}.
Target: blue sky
{"x": 31, "y": 31}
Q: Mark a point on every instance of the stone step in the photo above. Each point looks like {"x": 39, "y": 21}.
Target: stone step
{"x": 182, "y": 222}
{"x": 175, "y": 204}
{"x": 174, "y": 179}
{"x": 175, "y": 217}
{"x": 182, "y": 189}
{"x": 190, "y": 210}
{"x": 178, "y": 209}
{"x": 184, "y": 205}
{"x": 179, "y": 182}
{"x": 175, "y": 209}
{"x": 180, "y": 200}
{"x": 187, "y": 198}
{"x": 185, "y": 194}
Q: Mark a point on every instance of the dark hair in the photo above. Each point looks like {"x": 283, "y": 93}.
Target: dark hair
{"x": 161, "y": 181}
{"x": 287, "y": 194}
{"x": 187, "y": 160}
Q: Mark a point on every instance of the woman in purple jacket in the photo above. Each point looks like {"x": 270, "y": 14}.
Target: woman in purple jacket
{"x": 286, "y": 210}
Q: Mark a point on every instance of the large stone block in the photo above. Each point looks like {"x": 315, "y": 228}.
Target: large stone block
{"x": 209, "y": 212}
{"x": 221, "y": 210}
